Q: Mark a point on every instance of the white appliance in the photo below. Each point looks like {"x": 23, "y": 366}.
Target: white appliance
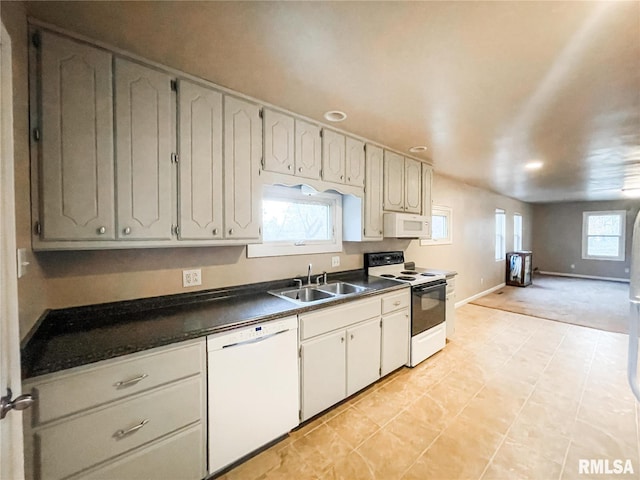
{"x": 634, "y": 321}
{"x": 253, "y": 389}
{"x": 428, "y": 301}
{"x": 406, "y": 225}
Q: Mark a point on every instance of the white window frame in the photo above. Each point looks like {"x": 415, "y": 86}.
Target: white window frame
{"x": 585, "y": 225}
{"x": 272, "y": 249}
{"x": 500, "y": 250}
{"x": 517, "y": 235}
{"x": 442, "y": 211}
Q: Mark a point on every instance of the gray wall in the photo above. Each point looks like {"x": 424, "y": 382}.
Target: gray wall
{"x": 557, "y": 240}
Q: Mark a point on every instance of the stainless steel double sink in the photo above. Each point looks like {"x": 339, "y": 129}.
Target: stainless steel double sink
{"x": 311, "y": 294}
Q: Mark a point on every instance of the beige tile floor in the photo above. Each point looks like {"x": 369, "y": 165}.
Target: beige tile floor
{"x": 510, "y": 397}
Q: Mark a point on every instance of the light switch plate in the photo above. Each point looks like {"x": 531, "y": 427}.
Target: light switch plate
{"x": 191, "y": 278}
{"x": 335, "y": 261}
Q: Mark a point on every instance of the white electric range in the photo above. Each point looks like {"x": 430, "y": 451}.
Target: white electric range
{"x": 428, "y": 301}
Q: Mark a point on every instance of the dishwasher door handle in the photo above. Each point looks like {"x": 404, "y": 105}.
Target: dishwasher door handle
{"x": 254, "y": 341}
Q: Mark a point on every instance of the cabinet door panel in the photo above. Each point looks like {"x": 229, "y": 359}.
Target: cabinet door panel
{"x": 395, "y": 341}
{"x": 200, "y": 165}
{"x": 363, "y": 355}
{"x": 333, "y": 156}
{"x": 373, "y": 193}
{"x": 323, "y": 373}
{"x": 242, "y": 153}
{"x": 393, "y": 182}
{"x": 355, "y": 162}
{"x": 308, "y": 150}
{"x": 76, "y": 175}
{"x": 427, "y": 182}
{"x": 413, "y": 182}
{"x": 278, "y": 142}
{"x": 143, "y": 146}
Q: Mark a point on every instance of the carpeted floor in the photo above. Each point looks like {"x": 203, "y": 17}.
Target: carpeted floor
{"x": 597, "y": 304}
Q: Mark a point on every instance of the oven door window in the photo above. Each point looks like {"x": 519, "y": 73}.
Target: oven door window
{"x": 428, "y": 308}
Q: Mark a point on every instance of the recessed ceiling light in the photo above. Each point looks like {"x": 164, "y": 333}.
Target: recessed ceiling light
{"x": 631, "y": 192}
{"x": 418, "y": 149}
{"x": 335, "y": 116}
{"x": 534, "y": 165}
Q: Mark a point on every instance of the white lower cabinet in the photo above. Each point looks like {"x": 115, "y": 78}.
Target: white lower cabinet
{"x": 345, "y": 348}
{"x": 324, "y": 372}
{"x": 149, "y": 421}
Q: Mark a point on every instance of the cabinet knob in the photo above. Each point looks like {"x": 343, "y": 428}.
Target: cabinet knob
{"x": 215, "y": 231}
{"x": 341, "y": 177}
{"x": 380, "y": 232}
{"x": 231, "y": 231}
{"x": 341, "y": 339}
{"x": 288, "y": 167}
{"x": 348, "y": 179}
{"x": 396, "y": 303}
{"x": 352, "y": 336}
{"x": 127, "y": 230}
{"x": 102, "y": 230}
{"x": 300, "y": 169}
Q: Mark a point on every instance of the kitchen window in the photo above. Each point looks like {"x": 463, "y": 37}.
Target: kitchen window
{"x": 298, "y": 220}
{"x": 517, "y": 231}
{"x": 603, "y": 235}
{"x": 500, "y": 234}
{"x": 441, "y": 226}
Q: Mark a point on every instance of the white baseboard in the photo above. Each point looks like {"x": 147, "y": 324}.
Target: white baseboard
{"x": 592, "y": 277}
{"x": 481, "y": 294}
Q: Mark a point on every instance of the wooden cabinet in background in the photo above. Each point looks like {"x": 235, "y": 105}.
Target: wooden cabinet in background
{"x": 200, "y": 176}
{"x": 355, "y": 162}
{"x": 402, "y": 184}
{"x": 333, "y": 156}
{"x": 308, "y": 146}
{"x": 75, "y": 130}
{"x": 143, "y": 119}
{"x": 242, "y": 153}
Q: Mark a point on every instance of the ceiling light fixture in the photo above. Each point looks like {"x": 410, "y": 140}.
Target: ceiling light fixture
{"x": 335, "y": 116}
{"x": 534, "y": 165}
{"x": 418, "y": 149}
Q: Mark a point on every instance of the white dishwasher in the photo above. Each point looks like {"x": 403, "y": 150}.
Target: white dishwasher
{"x": 253, "y": 388}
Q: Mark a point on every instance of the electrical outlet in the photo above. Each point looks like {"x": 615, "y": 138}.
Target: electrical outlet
{"x": 335, "y": 261}
{"x": 191, "y": 278}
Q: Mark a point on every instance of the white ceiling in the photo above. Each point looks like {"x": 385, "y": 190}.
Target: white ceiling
{"x": 487, "y": 86}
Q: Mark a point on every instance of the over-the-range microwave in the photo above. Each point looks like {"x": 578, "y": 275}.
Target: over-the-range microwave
{"x": 406, "y": 225}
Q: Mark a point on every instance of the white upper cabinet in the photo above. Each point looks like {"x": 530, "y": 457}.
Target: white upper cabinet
{"x": 355, "y": 169}
{"x": 200, "y": 165}
{"x": 412, "y": 182}
{"x": 333, "y": 156}
{"x": 76, "y": 141}
{"x": 393, "y": 182}
{"x": 402, "y": 183}
{"x": 278, "y": 142}
{"x": 242, "y": 154}
{"x": 308, "y": 146}
{"x": 143, "y": 151}
{"x": 373, "y": 193}
{"x": 427, "y": 182}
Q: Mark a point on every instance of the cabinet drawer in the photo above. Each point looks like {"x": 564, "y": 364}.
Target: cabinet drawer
{"x": 395, "y": 301}
{"x": 67, "y": 393}
{"x": 84, "y": 441}
{"x": 341, "y": 316}
{"x": 180, "y": 455}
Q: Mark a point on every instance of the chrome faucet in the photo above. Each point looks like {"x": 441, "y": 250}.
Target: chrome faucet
{"x": 309, "y": 275}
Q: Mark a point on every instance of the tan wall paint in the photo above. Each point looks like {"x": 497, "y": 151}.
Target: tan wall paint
{"x": 61, "y": 279}
{"x": 472, "y": 253}
{"x": 557, "y": 241}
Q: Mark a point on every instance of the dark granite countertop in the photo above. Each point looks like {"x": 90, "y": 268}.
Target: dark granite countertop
{"x": 71, "y": 337}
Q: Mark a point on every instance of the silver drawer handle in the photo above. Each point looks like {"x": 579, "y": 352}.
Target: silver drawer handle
{"x": 135, "y": 428}
{"x": 131, "y": 381}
